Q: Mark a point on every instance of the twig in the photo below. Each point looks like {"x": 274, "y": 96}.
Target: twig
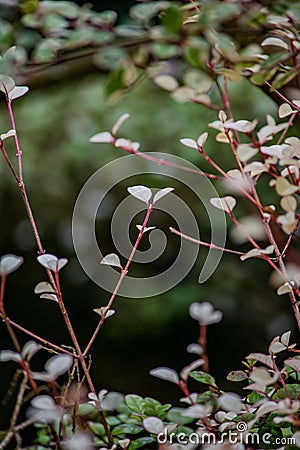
{"x": 123, "y": 274}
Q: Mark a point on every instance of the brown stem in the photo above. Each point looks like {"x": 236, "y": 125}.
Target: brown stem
{"x": 203, "y": 342}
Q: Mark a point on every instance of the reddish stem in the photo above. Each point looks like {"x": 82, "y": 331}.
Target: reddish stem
{"x": 123, "y": 274}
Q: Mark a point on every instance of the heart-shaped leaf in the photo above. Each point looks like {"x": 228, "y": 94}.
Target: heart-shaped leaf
{"x": 7, "y": 135}
{"x": 7, "y": 84}
{"x": 18, "y": 91}
{"x": 160, "y": 194}
{"x": 111, "y": 260}
{"x": 58, "y": 364}
{"x": 224, "y": 203}
{"x": 10, "y": 263}
{"x": 142, "y": 193}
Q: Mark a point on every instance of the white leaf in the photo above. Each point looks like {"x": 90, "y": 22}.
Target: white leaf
{"x": 189, "y": 143}
{"x": 29, "y": 349}
{"x": 43, "y": 402}
{"x": 198, "y": 411}
{"x": 139, "y": 227}
{"x": 111, "y": 260}
{"x": 276, "y": 42}
{"x": 10, "y": 263}
{"x": 284, "y": 289}
{"x": 273, "y": 150}
{"x": 110, "y": 313}
{"x": 166, "y": 82}
{"x": 52, "y": 297}
{"x": 224, "y": 203}
{"x": 104, "y": 137}
{"x": 8, "y": 355}
{"x": 142, "y": 193}
{"x": 18, "y": 91}
{"x": 230, "y": 402}
{"x": 135, "y": 146}
{"x": 257, "y": 252}
{"x": 9, "y": 134}
{"x": 285, "y": 110}
{"x": 160, "y": 194}
{"x": 202, "y": 139}
{"x": 266, "y": 408}
{"x": 194, "y": 348}
{"x": 7, "y": 84}
{"x": 188, "y": 369}
{"x": 285, "y": 338}
{"x": 153, "y": 425}
{"x": 61, "y": 263}
{"x": 124, "y": 143}
{"x": 243, "y": 126}
{"x": 283, "y": 187}
{"x": 164, "y": 373}
{"x": 245, "y": 152}
{"x": 124, "y": 443}
{"x": 204, "y": 313}
{"x": 276, "y": 347}
{"x": 294, "y": 363}
{"x": 119, "y": 123}
{"x": 255, "y": 168}
{"x": 58, "y": 364}
{"x": 262, "y": 358}
{"x": 43, "y": 287}
{"x": 47, "y": 259}
{"x": 288, "y": 203}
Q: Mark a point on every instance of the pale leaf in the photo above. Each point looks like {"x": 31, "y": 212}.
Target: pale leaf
{"x": 111, "y": 260}
{"x": 10, "y": 263}
{"x": 142, "y": 193}
{"x": 104, "y": 137}
{"x": 189, "y": 143}
{"x": 119, "y": 123}
{"x": 164, "y": 373}
{"x": 153, "y": 425}
{"x": 224, "y": 203}
{"x": 160, "y": 194}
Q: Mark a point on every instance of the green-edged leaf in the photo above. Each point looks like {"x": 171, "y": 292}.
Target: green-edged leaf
{"x": 204, "y": 378}
{"x": 126, "y": 428}
{"x": 140, "y": 442}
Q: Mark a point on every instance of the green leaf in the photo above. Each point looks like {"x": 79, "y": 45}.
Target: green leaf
{"x": 114, "y": 83}
{"x": 126, "y": 428}
{"x": 175, "y": 415}
{"x": 135, "y": 403}
{"x": 112, "y": 421}
{"x": 97, "y": 428}
{"x": 140, "y": 442}
{"x": 204, "y": 378}
{"x": 172, "y": 19}
{"x": 237, "y": 375}
{"x": 155, "y": 408}
{"x": 146, "y": 11}
{"x": 293, "y": 390}
{"x": 262, "y": 76}
{"x": 283, "y": 79}
{"x": 255, "y": 397}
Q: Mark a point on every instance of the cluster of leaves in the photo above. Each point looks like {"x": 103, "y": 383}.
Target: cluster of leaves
{"x": 183, "y": 47}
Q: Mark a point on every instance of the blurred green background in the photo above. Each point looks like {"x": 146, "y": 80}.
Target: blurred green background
{"x": 55, "y": 122}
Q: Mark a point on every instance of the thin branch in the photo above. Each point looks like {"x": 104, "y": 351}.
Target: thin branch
{"x": 123, "y": 274}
